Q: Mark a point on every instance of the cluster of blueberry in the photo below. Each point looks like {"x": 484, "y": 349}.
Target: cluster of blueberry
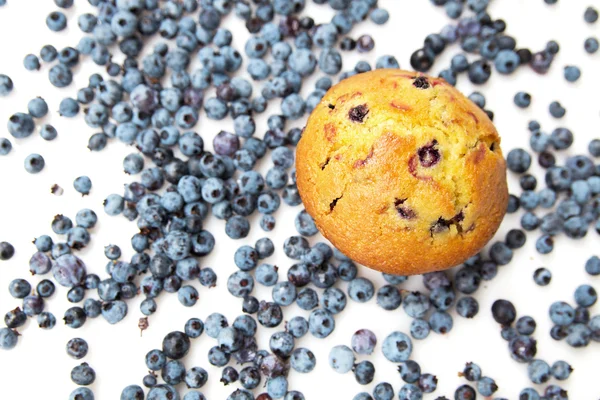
{"x": 481, "y": 35}
{"x": 523, "y": 348}
{"x": 576, "y": 182}
{"x": 575, "y": 324}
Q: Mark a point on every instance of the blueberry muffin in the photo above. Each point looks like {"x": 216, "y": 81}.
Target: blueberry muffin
{"x": 402, "y": 172}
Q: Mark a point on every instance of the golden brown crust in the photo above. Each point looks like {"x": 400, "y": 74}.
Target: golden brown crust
{"x": 403, "y": 175}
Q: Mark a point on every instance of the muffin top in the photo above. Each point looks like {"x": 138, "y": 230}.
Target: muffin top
{"x": 402, "y": 172}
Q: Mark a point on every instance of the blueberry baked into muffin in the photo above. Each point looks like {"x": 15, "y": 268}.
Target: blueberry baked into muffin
{"x": 402, "y": 172}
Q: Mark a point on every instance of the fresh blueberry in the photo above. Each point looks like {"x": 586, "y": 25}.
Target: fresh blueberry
{"x": 561, "y": 370}
{"x": 572, "y": 73}
{"x": 467, "y": 307}
{"x": 585, "y": 296}
{"x": 522, "y": 99}
{"x": 83, "y": 374}
{"x": 504, "y": 312}
{"x": 556, "y": 109}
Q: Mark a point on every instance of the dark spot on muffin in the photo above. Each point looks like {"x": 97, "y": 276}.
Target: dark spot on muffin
{"x": 442, "y": 224}
{"x": 429, "y": 155}
{"x": 421, "y": 82}
{"x": 358, "y": 113}
{"x": 493, "y": 146}
{"x": 334, "y": 203}
{"x": 325, "y": 163}
{"x": 331, "y": 107}
{"x": 404, "y": 211}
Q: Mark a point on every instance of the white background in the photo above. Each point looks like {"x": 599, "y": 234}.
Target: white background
{"x": 40, "y": 368}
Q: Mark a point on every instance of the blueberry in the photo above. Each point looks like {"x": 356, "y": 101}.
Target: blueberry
{"x": 504, "y": 312}
{"x": 480, "y": 71}
{"x": 307, "y": 299}
{"x": 518, "y": 160}
{"x": 92, "y": 308}
{"x": 341, "y": 359}
{"x": 585, "y": 296}
{"x": 83, "y": 374}
{"x": 522, "y": 348}
{"x": 31, "y": 62}
{"x": 75, "y": 317}
{"x": 302, "y": 360}
{"x": 383, "y": 391}
{"x": 529, "y": 393}
{"x": 513, "y": 204}
{"x": 556, "y": 109}
{"x": 187, "y": 295}
{"x": 132, "y": 392}
{"x": 389, "y": 297}
{"x": 37, "y": 107}
{"x": 471, "y": 372}
{"x": 60, "y": 76}
{"x": 522, "y": 99}
{"x": 364, "y": 372}
{"x": 467, "y": 280}
{"x": 269, "y": 314}
{"x": 114, "y": 311}
{"x": 173, "y": 372}
{"x": 440, "y": 322}
{"x": 264, "y": 248}
{"x": 81, "y": 393}
{"x": 410, "y": 391}
{"x": 486, "y": 386}
{"x": 561, "y": 138}
{"x": 591, "y": 45}
{"x": 284, "y": 293}
{"x": 561, "y": 370}
{"x": 467, "y": 307}
{"x": 397, "y": 347}
{"x": 207, "y": 277}
{"x": 515, "y": 239}
{"x": 416, "y": 304}
{"x": 361, "y": 290}
{"x": 364, "y": 341}
{"x": 572, "y": 73}
{"x": 547, "y": 198}
{"x": 542, "y": 276}
{"x": 419, "y": 329}
{"x": 508, "y": 333}
{"x": 590, "y": 15}
{"x": 592, "y": 266}
{"x": 501, "y": 253}
{"x": 578, "y": 335}
{"x": 422, "y": 59}
{"x": 321, "y": 323}
{"x": 6, "y": 85}
{"x": 394, "y": 279}
{"x": 5, "y": 146}
{"x": 544, "y": 244}
{"x": 15, "y": 318}
{"x": 77, "y": 348}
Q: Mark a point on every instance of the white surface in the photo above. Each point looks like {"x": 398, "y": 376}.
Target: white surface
{"x": 40, "y": 368}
